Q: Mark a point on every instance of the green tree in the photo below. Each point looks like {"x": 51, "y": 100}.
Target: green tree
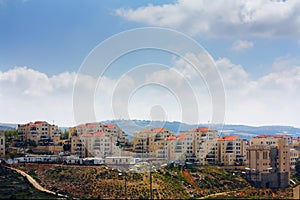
{"x": 67, "y": 147}
{"x": 64, "y": 135}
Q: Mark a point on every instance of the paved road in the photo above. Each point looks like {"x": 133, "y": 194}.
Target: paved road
{"x": 34, "y": 183}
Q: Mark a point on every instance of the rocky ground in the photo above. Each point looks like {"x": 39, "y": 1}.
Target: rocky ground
{"x": 168, "y": 183}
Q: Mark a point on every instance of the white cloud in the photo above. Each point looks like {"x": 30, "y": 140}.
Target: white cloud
{"x": 241, "y": 45}
{"x": 29, "y": 95}
{"x": 222, "y": 18}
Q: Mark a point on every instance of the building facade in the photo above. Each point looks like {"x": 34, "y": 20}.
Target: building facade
{"x": 96, "y": 140}
{"x": 41, "y": 132}
{"x": 232, "y": 150}
{"x": 151, "y": 142}
{"x": 268, "y": 165}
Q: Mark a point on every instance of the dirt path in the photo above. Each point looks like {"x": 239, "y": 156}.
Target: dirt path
{"x": 34, "y": 183}
{"x": 190, "y": 179}
{"x": 216, "y": 194}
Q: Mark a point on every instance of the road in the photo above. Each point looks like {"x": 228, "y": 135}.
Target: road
{"x": 216, "y": 194}
{"x": 34, "y": 183}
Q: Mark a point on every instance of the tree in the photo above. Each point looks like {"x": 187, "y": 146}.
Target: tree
{"x": 65, "y": 135}
{"x": 67, "y": 147}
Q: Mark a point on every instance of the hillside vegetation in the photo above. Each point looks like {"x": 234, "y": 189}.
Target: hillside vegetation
{"x": 104, "y": 182}
{"x": 15, "y": 186}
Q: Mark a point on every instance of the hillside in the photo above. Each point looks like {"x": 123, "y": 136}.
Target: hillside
{"x": 13, "y": 185}
{"x": 168, "y": 183}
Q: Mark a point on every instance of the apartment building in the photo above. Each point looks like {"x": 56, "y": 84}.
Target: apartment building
{"x": 196, "y": 145}
{"x": 100, "y": 144}
{"x": 205, "y": 145}
{"x": 266, "y": 139}
{"x": 268, "y": 165}
{"x": 96, "y": 139}
{"x": 294, "y": 155}
{"x": 77, "y": 146}
{"x": 180, "y": 147}
{"x": 41, "y": 132}
{"x": 2, "y": 145}
{"x": 85, "y": 128}
{"x": 150, "y": 142}
{"x": 112, "y": 129}
{"x": 232, "y": 150}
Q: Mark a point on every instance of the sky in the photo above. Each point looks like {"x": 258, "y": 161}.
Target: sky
{"x": 254, "y": 45}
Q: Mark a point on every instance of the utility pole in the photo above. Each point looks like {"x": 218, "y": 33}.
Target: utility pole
{"x": 258, "y": 184}
{"x": 125, "y": 175}
{"x": 151, "y": 191}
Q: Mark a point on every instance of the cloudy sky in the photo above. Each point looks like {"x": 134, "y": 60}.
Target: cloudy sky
{"x": 255, "y": 46}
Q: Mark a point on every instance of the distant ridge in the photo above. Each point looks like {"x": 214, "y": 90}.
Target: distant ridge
{"x": 246, "y": 132}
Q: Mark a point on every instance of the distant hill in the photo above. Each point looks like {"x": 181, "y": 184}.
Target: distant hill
{"x": 6, "y": 126}
{"x": 246, "y": 132}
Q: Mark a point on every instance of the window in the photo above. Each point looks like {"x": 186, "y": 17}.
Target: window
{"x": 265, "y": 155}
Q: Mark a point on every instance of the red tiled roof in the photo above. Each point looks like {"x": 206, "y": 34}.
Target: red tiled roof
{"x": 98, "y": 134}
{"x": 182, "y": 136}
{"x": 81, "y": 126}
{"x": 110, "y": 126}
{"x": 201, "y": 129}
{"x": 171, "y": 138}
{"x": 39, "y": 122}
{"x": 154, "y": 130}
{"x": 227, "y": 138}
{"x": 263, "y": 136}
{"x": 95, "y": 134}
{"x": 281, "y": 136}
{"x": 92, "y": 124}
{"x": 87, "y": 135}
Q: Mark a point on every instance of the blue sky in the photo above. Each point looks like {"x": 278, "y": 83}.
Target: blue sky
{"x": 255, "y": 44}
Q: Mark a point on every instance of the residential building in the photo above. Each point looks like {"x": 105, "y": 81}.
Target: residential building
{"x": 205, "y": 145}
{"x": 41, "y": 132}
{"x": 77, "y": 146}
{"x": 266, "y": 139}
{"x": 294, "y": 155}
{"x": 99, "y": 127}
{"x": 150, "y": 142}
{"x": 120, "y": 160}
{"x": 100, "y": 144}
{"x": 268, "y": 165}
{"x": 196, "y": 145}
{"x": 96, "y": 139}
{"x": 232, "y": 150}
{"x": 180, "y": 147}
